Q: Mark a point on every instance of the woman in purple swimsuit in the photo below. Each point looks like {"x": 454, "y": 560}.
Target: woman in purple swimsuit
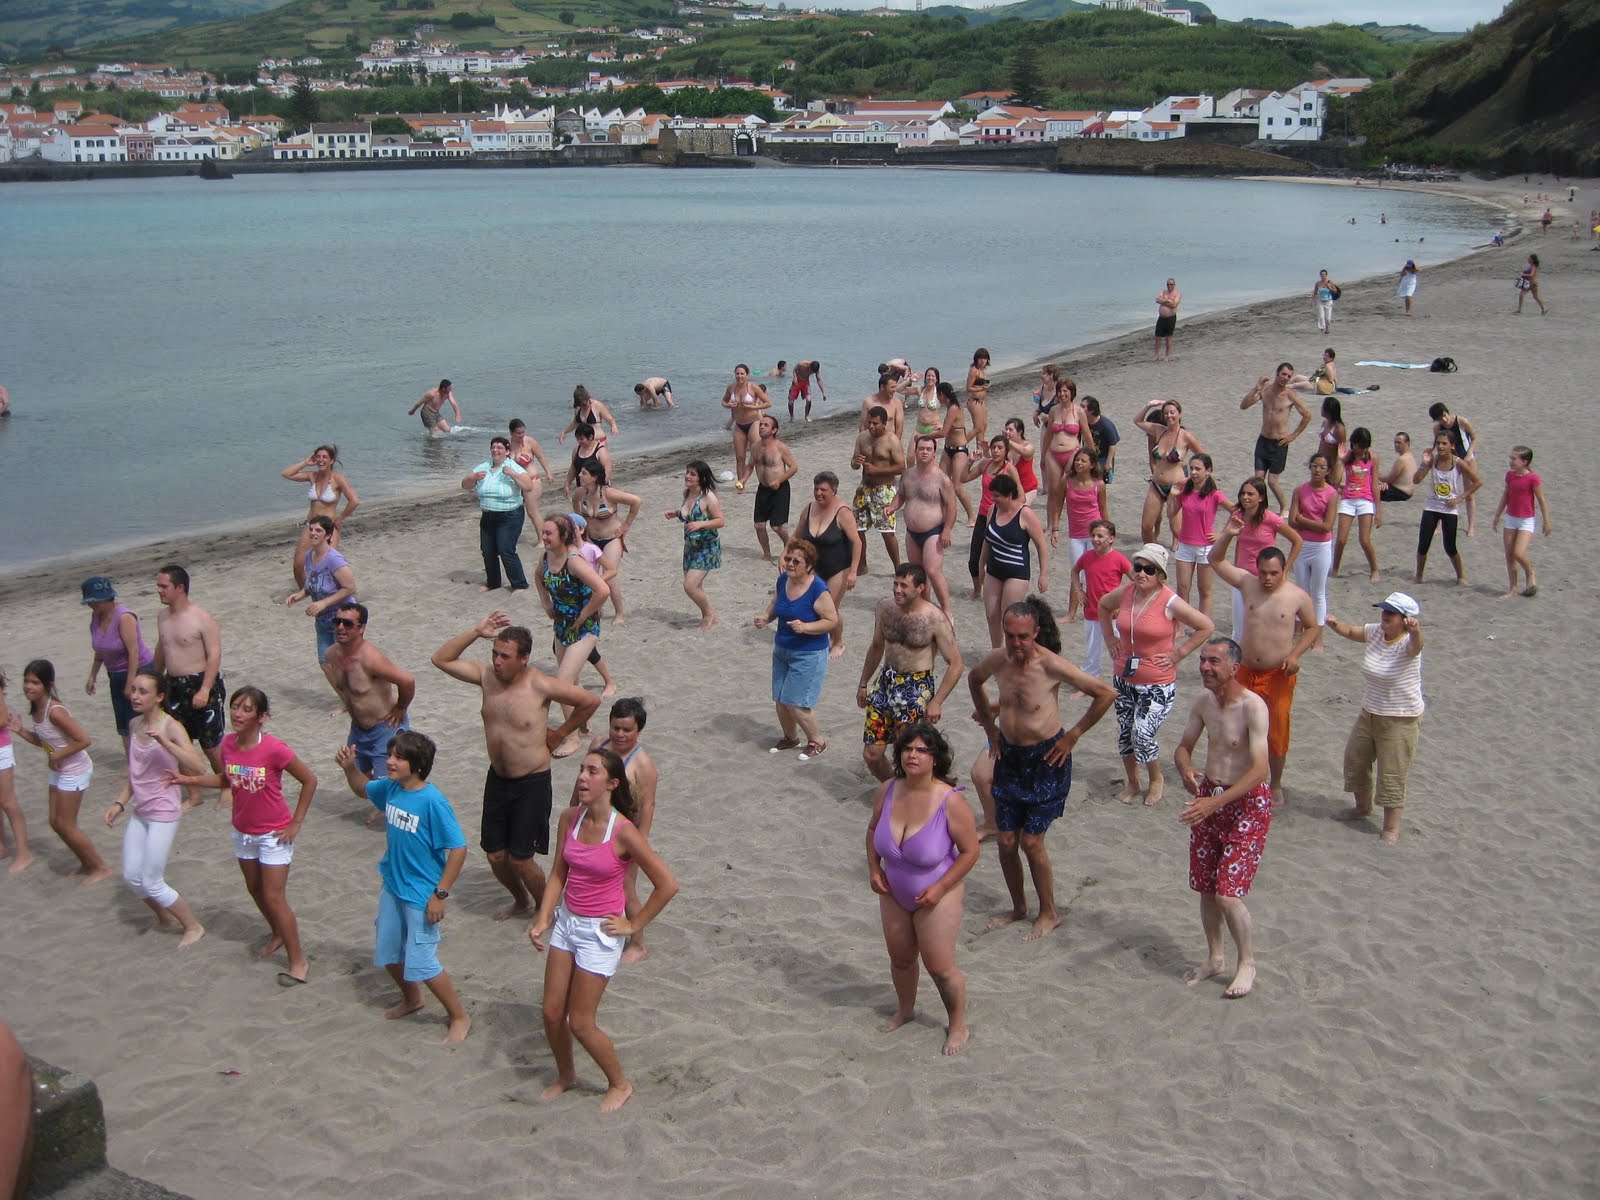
{"x": 921, "y": 843}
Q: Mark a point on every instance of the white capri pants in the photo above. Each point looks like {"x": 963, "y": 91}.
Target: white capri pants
{"x": 145, "y": 847}
{"x": 1311, "y": 573}
{"x": 1094, "y": 644}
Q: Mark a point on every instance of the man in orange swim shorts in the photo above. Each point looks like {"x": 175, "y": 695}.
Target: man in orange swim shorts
{"x": 1280, "y": 625}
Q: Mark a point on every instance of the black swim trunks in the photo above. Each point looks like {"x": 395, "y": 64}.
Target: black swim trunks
{"x": 205, "y": 725}
{"x": 516, "y": 814}
{"x": 772, "y": 504}
{"x": 1165, "y": 325}
{"x": 1272, "y": 456}
{"x": 1029, "y": 793}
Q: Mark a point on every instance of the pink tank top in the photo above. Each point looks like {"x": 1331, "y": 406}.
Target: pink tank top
{"x": 153, "y": 798}
{"x": 1154, "y": 634}
{"x": 1083, "y": 508}
{"x": 594, "y": 874}
{"x": 1358, "y": 480}
{"x": 1314, "y": 506}
{"x": 1199, "y": 517}
{"x": 1247, "y": 547}
{"x": 985, "y": 500}
{"x": 46, "y": 732}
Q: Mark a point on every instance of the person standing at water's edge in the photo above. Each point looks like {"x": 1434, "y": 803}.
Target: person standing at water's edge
{"x": 745, "y": 401}
{"x": 432, "y": 401}
{"x": 1167, "y": 302}
{"x": 1325, "y": 291}
{"x": 1229, "y": 811}
{"x": 519, "y": 739}
{"x": 800, "y": 388}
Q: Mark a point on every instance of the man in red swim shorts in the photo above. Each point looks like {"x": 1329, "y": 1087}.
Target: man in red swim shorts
{"x": 800, "y": 388}
{"x": 1228, "y": 821}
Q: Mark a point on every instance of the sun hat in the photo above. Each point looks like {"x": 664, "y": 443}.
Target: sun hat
{"x": 97, "y": 588}
{"x": 1400, "y": 603}
{"x": 1153, "y": 553}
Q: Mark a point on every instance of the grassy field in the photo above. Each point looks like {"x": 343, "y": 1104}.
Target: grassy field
{"x": 28, "y": 27}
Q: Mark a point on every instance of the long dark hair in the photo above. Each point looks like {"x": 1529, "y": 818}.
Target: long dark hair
{"x": 1360, "y": 445}
{"x": 1260, "y": 486}
{"x": 622, "y": 798}
{"x": 702, "y": 469}
{"x": 44, "y": 671}
{"x": 1206, "y": 488}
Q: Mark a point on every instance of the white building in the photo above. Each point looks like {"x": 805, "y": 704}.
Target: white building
{"x": 84, "y": 144}
{"x": 1295, "y": 116}
{"x": 342, "y": 139}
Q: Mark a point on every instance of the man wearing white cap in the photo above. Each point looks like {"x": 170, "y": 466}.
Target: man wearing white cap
{"x": 1385, "y": 731}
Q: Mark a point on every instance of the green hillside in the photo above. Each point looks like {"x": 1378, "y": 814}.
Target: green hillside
{"x": 29, "y": 27}
{"x": 1042, "y": 10}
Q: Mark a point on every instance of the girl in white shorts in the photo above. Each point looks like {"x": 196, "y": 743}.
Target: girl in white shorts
{"x": 1522, "y": 492}
{"x": 16, "y": 847}
{"x": 51, "y": 727}
{"x": 1358, "y": 500}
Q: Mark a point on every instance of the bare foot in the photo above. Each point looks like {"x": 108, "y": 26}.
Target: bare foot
{"x": 559, "y": 1086}
{"x": 1508, "y": 595}
{"x": 1356, "y": 813}
{"x": 1042, "y": 925}
{"x": 1390, "y": 837}
{"x": 956, "y": 1039}
{"x": 1158, "y": 789}
{"x": 272, "y": 945}
{"x": 1206, "y": 970}
{"x": 1416, "y": 579}
{"x": 1128, "y": 793}
{"x": 1001, "y": 919}
{"x": 1242, "y": 982}
{"x": 611, "y": 690}
{"x": 191, "y": 936}
{"x": 459, "y": 1028}
{"x": 894, "y": 1022}
{"x": 616, "y": 1097}
{"x": 517, "y": 908}
{"x": 164, "y": 921}
{"x": 634, "y": 952}
{"x": 404, "y": 1009}
{"x": 1374, "y": 577}
{"x": 1531, "y": 590}
{"x": 21, "y": 864}
{"x": 95, "y": 876}
{"x": 702, "y": 627}
{"x": 486, "y": 588}
{"x": 300, "y": 970}
{"x": 1461, "y": 581}
{"x": 835, "y": 652}
{"x": 568, "y": 746}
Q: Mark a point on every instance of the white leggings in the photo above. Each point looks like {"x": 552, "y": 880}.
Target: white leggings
{"x": 1311, "y": 573}
{"x": 145, "y": 846}
{"x": 1094, "y": 643}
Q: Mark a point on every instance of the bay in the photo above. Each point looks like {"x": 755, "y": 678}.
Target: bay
{"x": 171, "y": 344}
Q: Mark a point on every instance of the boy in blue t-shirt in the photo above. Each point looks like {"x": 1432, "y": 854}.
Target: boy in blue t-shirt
{"x": 426, "y": 852}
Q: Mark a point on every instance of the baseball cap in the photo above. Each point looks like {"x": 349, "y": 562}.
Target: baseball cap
{"x": 97, "y": 588}
{"x": 1399, "y": 602}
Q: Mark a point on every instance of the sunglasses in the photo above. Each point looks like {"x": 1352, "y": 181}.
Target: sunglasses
{"x": 1144, "y": 568}
{"x": 345, "y": 623}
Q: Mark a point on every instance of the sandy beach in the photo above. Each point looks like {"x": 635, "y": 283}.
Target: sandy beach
{"x": 1420, "y": 1022}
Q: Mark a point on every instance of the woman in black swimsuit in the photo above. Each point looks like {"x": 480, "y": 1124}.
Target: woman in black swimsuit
{"x": 829, "y": 525}
{"x": 978, "y": 394}
{"x": 953, "y": 457}
{"x": 1170, "y": 446}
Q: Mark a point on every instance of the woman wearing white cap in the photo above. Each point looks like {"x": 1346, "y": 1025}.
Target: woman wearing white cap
{"x": 1386, "y": 728}
{"x": 1140, "y": 622}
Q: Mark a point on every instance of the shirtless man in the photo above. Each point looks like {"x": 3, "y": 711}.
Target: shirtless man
{"x": 516, "y": 791}
{"x": 1166, "y": 316}
{"x": 888, "y": 399}
{"x": 1229, "y": 811}
{"x": 908, "y": 630}
{"x": 376, "y": 693}
{"x": 774, "y": 466}
{"x": 432, "y": 401}
{"x": 1277, "y": 396}
{"x": 653, "y": 392}
{"x": 1397, "y": 484}
{"x": 1030, "y": 750}
{"x": 627, "y": 720}
{"x": 744, "y": 399}
{"x": 1280, "y": 625}
{"x": 927, "y": 496}
{"x": 189, "y": 650}
{"x": 880, "y": 460}
{"x": 804, "y": 373}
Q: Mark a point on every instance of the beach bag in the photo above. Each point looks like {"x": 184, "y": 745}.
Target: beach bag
{"x": 1523, "y": 283}
{"x": 1324, "y": 386}
{"x": 1335, "y": 290}
{"x": 1442, "y": 365}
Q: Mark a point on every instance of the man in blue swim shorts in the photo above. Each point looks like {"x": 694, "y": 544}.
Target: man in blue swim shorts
{"x": 1032, "y": 753}
{"x": 375, "y": 692}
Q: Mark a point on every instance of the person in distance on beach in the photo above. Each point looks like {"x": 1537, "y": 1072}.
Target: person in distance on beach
{"x": 1030, "y": 750}
{"x": 584, "y": 915}
{"x": 745, "y": 399}
{"x": 928, "y": 497}
{"x": 189, "y": 653}
{"x": 1325, "y": 291}
{"x": 1277, "y": 397}
{"x": 430, "y": 404}
{"x": 800, "y": 389}
{"x": 654, "y": 392}
{"x": 376, "y": 693}
{"x": 264, "y": 831}
{"x": 5, "y": 402}
{"x": 1448, "y": 481}
{"x": 1397, "y": 484}
{"x": 117, "y": 640}
{"x": 779, "y": 371}
{"x": 1167, "y": 302}
{"x": 518, "y": 737}
{"x": 325, "y": 487}
{"x": 586, "y": 410}
{"x": 598, "y": 502}
{"x": 1170, "y": 444}
{"x": 52, "y": 728}
{"x": 802, "y": 612}
{"x": 329, "y": 581}
{"x": 880, "y": 460}
{"x": 953, "y": 457}
{"x": 424, "y": 856}
{"x": 1229, "y": 811}
{"x": 774, "y": 465}
{"x": 921, "y": 843}
{"x": 502, "y": 488}
{"x": 1522, "y": 489}
{"x": 829, "y": 525}
{"x": 526, "y": 453}
{"x": 572, "y": 593}
{"x": 907, "y": 633}
{"x": 700, "y": 512}
{"x": 978, "y": 395}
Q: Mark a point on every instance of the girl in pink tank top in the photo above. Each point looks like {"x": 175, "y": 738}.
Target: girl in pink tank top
{"x": 52, "y": 729}
{"x": 583, "y": 912}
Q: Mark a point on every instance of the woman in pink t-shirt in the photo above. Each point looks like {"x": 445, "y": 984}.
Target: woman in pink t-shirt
{"x": 1360, "y": 500}
{"x": 1255, "y": 527}
{"x": 253, "y": 765}
{"x": 1194, "y": 516}
{"x": 1085, "y": 503}
{"x": 1312, "y": 511}
{"x": 1523, "y": 489}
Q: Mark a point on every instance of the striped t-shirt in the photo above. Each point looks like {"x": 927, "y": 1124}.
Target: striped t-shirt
{"x": 1391, "y": 676}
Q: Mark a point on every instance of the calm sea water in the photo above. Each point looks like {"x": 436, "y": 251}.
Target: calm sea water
{"x": 170, "y": 345}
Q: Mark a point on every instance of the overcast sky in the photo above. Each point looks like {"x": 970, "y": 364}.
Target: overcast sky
{"x": 1431, "y": 14}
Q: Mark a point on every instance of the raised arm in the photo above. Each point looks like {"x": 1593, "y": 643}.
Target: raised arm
{"x": 1226, "y": 571}
{"x": 1253, "y": 396}
{"x": 300, "y": 472}
{"x": 447, "y": 657}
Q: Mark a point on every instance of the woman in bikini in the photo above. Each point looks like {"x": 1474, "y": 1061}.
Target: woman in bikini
{"x": 325, "y": 487}
{"x": 1020, "y": 453}
{"x": 745, "y": 401}
{"x": 1170, "y": 444}
{"x": 1044, "y": 396}
{"x": 525, "y": 451}
{"x": 953, "y": 455}
{"x": 590, "y": 449}
{"x": 1332, "y": 440}
{"x": 978, "y": 394}
{"x": 829, "y": 524}
{"x": 1067, "y": 431}
{"x": 921, "y": 842}
{"x": 597, "y": 502}
{"x": 572, "y": 593}
{"x": 986, "y": 472}
{"x": 925, "y": 407}
{"x": 586, "y": 410}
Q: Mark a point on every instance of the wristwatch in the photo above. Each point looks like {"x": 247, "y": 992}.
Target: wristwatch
{"x": 439, "y": 894}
